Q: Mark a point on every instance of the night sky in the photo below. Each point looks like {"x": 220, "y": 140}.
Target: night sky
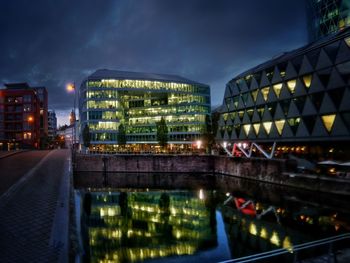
{"x": 53, "y": 42}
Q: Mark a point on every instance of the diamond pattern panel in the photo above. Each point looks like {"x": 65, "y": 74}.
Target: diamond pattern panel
{"x": 294, "y": 98}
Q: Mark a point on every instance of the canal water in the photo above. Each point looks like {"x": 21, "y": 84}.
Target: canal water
{"x": 234, "y": 218}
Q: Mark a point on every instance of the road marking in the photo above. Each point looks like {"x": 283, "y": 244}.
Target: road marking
{"x": 14, "y": 188}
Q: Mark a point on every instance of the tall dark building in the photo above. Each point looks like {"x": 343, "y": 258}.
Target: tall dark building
{"x": 326, "y": 17}
{"x": 52, "y": 123}
{"x": 43, "y": 102}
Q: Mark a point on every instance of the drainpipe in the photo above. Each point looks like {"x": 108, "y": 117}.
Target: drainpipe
{"x": 104, "y": 169}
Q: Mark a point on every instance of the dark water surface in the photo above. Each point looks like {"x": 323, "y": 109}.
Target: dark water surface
{"x": 231, "y": 219}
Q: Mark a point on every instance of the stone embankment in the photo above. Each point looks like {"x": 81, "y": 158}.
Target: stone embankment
{"x": 197, "y": 170}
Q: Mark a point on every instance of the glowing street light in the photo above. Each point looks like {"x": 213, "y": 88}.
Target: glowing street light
{"x": 70, "y": 87}
{"x": 199, "y": 143}
{"x": 30, "y": 119}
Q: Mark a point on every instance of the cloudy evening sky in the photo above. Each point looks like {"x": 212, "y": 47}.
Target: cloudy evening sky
{"x": 53, "y": 42}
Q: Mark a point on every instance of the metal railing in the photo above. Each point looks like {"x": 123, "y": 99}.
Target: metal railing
{"x": 294, "y": 251}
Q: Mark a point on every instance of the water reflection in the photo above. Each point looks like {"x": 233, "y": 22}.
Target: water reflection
{"x": 254, "y": 227}
{"x": 204, "y": 225}
{"x": 135, "y": 226}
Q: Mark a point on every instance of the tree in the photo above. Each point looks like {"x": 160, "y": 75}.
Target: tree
{"x": 162, "y": 132}
{"x": 208, "y": 135}
{"x": 121, "y": 137}
{"x": 44, "y": 141}
{"x": 86, "y": 136}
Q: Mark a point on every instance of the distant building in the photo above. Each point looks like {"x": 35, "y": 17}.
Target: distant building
{"x": 72, "y": 117}
{"x": 139, "y": 100}
{"x": 43, "y": 102}
{"x": 326, "y": 17}
{"x": 22, "y": 109}
{"x": 52, "y": 123}
{"x": 301, "y": 100}
{"x": 67, "y": 132}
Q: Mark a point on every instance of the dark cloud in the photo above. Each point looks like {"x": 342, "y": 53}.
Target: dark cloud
{"x": 47, "y": 42}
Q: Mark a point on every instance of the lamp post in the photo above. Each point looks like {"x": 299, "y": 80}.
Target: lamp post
{"x": 71, "y": 88}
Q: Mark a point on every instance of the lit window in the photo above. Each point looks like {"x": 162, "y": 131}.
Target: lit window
{"x": 328, "y": 121}
{"x": 307, "y": 80}
{"x": 280, "y": 125}
{"x": 256, "y": 127}
{"x": 252, "y": 229}
{"x": 267, "y": 126}
{"x": 235, "y": 101}
{"x": 265, "y": 92}
{"x": 264, "y": 233}
{"x": 27, "y": 135}
{"x": 294, "y": 122}
{"x": 255, "y": 94}
{"x": 277, "y": 88}
{"x": 260, "y": 111}
{"x": 291, "y": 85}
{"x": 246, "y": 128}
{"x": 275, "y": 239}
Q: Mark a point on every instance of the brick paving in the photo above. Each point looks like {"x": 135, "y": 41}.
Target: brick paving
{"x": 28, "y": 212}
{"x": 12, "y": 168}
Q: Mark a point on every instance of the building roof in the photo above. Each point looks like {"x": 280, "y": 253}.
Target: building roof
{"x": 19, "y": 85}
{"x": 296, "y": 52}
{"x": 117, "y": 74}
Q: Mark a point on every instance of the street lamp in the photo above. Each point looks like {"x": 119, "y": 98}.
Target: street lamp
{"x": 71, "y": 88}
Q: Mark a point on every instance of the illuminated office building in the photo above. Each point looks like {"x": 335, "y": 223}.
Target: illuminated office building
{"x": 139, "y": 100}
{"x": 301, "y": 97}
{"x": 326, "y": 17}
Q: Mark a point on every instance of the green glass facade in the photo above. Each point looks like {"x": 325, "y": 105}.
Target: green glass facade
{"x": 139, "y": 101}
{"x": 327, "y": 17}
{"x": 139, "y": 226}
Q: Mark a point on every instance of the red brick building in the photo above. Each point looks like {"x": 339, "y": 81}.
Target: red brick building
{"x": 23, "y": 116}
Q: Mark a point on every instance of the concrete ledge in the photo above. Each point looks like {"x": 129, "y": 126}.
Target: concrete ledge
{"x": 161, "y": 170}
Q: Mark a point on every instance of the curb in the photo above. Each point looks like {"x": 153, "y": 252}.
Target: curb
{"x": 12, "y": 153}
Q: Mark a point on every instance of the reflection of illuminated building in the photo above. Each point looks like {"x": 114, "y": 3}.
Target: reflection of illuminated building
{"x": 147, "y": 225}
{"x": 271, "y": 227}
{"x": 249, "y": 235}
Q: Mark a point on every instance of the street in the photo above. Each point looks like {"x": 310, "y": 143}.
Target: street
{"x": 34, "y": 206}
{"x": 12, "y": 168}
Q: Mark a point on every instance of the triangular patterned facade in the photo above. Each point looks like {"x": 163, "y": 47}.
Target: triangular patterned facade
{"x": 295, "y": 95}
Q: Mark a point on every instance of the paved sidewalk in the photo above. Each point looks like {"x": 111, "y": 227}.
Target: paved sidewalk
{"x": 4, "y": 154}
{"x": 34, "y": 213}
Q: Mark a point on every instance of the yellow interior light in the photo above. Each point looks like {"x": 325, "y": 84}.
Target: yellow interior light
{"x": 328, "y": 121}
{"x": 291, "y": 85}
{"x": 277, "y": 88}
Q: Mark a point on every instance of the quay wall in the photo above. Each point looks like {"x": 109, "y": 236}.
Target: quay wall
{"x": 98, "y": 171}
